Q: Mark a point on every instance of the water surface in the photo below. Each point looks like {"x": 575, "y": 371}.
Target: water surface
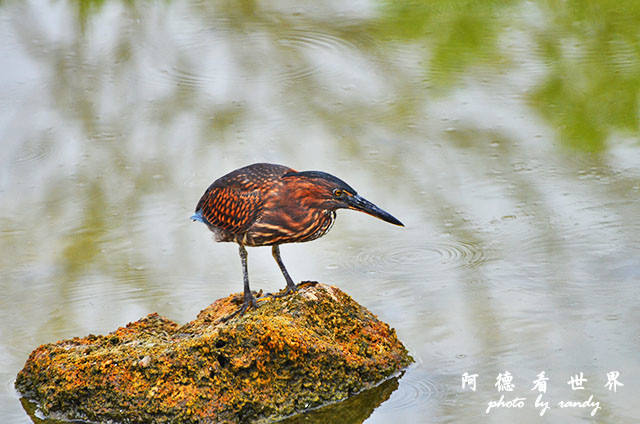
{"x": 503, "y": 134}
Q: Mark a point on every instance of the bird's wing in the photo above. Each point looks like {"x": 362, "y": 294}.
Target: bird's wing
{"x": 230, "y": 208}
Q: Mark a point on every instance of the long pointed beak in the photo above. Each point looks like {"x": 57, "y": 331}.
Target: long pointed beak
{"x": 363, "y": 205}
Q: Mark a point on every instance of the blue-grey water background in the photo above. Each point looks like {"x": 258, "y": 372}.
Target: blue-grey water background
{"x": 504, "y": 134}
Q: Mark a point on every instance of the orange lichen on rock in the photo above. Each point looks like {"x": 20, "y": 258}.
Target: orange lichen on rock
{"x": 295, "y": 352}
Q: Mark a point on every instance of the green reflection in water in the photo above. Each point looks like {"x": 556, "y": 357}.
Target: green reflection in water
{"x": 459, "y": 33}
{"x": 591, "y": 50}
{"x": 83, "y": 244}
{"x": 86, "y": 8}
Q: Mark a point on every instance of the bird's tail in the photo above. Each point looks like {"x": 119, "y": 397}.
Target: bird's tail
{"x": 198, "y": 216}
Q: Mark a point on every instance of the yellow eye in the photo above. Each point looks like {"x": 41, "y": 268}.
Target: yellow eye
{"x": 337, "y": 192}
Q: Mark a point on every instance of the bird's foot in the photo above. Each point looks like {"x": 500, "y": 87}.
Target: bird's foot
{"x": 249, "y": 301}
{"x": 288, "y": 290}
{"x": 307, "y": 284}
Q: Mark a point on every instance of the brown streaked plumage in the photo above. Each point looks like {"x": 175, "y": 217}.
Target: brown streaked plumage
{"x": 267, "y": 205}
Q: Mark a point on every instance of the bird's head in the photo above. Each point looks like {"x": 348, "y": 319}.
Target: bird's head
{"x": 321, "y": 190}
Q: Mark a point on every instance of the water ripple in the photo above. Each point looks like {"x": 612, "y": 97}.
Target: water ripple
{"x": 303, "y": 43}
{"x": 416, "y": 388}
{"x": 303, "y": 39}
{"x": 34, "y": 150}
{"x": 389, "y": 257}
{"x": 293, "y": 55}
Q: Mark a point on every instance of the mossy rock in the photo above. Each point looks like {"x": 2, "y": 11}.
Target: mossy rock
{"x": 296, "y": 352}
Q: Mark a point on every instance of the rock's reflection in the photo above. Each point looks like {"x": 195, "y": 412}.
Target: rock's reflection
{"x": 354, "y": 410}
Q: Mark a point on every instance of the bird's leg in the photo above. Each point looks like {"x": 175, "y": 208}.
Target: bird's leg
{"x": 249, "y": 298}
{"x": 291, "y": 287}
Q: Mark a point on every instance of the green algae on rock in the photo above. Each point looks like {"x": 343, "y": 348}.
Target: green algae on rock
{"x": 293, "y": 353}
